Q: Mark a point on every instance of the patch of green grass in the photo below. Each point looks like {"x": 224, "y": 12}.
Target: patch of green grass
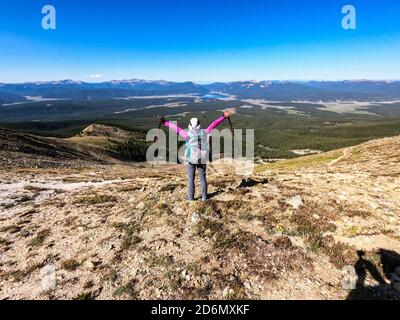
{"x": 129, "y": 289}
{"x": 226, "y": 240}
{"x": 112, "y": 275}
{"x": 340, "y": 254}
{"x": 204, "y": 291}
{"x": 174, "y": 279}
{"x": 205, "y": 208}
{"x": 307, "y": 226}
{"x": 207, "y": 228}
{"x": 313, "y": 230}
{"x": 40, "y": 238}
{"x": 171, "y": 187}
{"x": 19, "y": 275}
{"x": 163, "y": 261}
{"x": 350, "y": 212}
{"x": 4, "y": 242}
{"x": 70, "y": 265}
{"x": 231, "y": 287}
{"x": 247, "y": 216}
{"x": 302, "y": 162}
{"x": 341, "y": 208}
{"x": 11, "y": 229}
{"x": 164, "y": 208}
{"x": 235, "y": 204}
{"x": 222, "y": 238}
{"x": 88, "y": 284}
{"x": 84, "y": 296}
{"x": 131, "y": 236}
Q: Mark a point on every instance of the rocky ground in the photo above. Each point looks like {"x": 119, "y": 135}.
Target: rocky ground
{"x": 320, "y": 227}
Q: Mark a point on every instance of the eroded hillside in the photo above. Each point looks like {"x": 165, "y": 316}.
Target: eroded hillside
{"x": 127, "y": 232}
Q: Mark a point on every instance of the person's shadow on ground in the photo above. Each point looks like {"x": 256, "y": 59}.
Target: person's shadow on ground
{"x": 215, "y": 194}
{"x": 390, "y": 260}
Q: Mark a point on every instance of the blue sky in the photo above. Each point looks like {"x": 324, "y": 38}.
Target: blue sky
{"x": 199, "y": 40}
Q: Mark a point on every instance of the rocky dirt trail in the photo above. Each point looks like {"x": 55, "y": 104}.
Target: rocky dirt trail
{"x": 127, "y": 232}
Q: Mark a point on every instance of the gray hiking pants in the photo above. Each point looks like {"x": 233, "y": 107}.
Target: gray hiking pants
{"x": 191, "y": 168}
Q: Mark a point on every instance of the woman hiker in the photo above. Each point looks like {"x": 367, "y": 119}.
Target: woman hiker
{"x": 197, "y": 150}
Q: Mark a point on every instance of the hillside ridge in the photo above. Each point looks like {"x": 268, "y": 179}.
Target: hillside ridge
{"x": 127, "y": 232}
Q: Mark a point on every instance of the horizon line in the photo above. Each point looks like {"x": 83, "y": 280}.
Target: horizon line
{"x": 201, "y": 82}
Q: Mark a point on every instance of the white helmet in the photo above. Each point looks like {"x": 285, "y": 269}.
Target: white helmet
{"x": 194, "y": 124}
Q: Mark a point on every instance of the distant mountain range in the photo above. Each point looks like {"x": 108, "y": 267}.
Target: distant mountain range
{"x": 362, "y": 90}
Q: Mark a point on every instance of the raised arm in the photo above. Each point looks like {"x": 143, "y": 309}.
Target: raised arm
{"x": 217, "y": 122}
{"x": 174, "y": 127}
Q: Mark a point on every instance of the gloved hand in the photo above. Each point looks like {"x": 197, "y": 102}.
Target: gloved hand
{"x": 161, "y": 119}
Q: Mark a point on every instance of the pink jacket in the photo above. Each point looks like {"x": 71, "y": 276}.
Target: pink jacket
{"x": 183, "y": 133}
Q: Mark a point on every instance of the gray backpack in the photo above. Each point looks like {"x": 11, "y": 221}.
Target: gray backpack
{"x": 197, "y": 147}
